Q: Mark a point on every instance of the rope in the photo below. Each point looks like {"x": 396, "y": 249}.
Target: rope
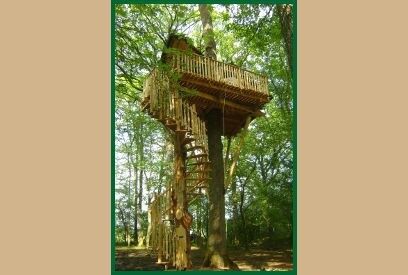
{"x": 223, "y": 115}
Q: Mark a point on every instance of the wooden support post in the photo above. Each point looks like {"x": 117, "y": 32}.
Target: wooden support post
{"x": 236, "y": 155}
{"x": 180, "y": 210}
{"x": 227, "y": 155}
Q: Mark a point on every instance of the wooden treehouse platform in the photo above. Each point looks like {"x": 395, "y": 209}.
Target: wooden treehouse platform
{"x": 213, "y": 84}
{"x": 209, "y": 84}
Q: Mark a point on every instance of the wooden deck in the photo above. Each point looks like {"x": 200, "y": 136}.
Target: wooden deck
{"x": 220, "y": 79}
{"x": 210, "y": 84}
{"x": 221, "y": 75}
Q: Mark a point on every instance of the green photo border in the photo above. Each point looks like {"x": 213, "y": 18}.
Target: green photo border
{"x": 294, "y": 127}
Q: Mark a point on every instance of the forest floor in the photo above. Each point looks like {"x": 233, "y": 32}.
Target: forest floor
{"x": 253, "y": 259}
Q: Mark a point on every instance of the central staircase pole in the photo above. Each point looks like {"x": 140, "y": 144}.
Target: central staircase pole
{"x": 180, "y": 208}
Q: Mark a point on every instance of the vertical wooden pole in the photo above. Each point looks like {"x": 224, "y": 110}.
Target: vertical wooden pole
{"x": 238, "y": 149}
{"x": 227, "y": 155}
{"x": 180, "y": 211}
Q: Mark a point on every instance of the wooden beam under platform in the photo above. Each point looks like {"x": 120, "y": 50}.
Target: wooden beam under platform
{"x": 229, "y": 104}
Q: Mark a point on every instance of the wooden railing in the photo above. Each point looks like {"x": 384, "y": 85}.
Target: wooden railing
{"x": 212, "y": 70}
{"x": 161, "y": 239}
{"x": 165, "y": 103}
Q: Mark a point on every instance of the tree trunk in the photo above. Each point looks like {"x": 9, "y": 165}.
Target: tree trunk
{"x": 208, "y": 33}
{"x": 136, "y": 216}
{"x": 139, "y": 240}
{"x": 216, "y": 255}
{"x": 217, "y": 243}
{"x": 284, "y": 12}
{"x": 180, "y": 208}
{"x": 124, "y": 223}
{"x": 129, "y": 202}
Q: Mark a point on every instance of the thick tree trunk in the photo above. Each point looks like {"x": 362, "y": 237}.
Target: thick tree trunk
{"x": 284, "y": 12}
{"x": 180, "y": 208}
{"x": 208, "y": 33}
{"x": 217, "y": 243}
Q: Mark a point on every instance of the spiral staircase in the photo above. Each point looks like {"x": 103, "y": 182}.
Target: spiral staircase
{"x": 163, "y": 101}
{"x": 170, "y": 220}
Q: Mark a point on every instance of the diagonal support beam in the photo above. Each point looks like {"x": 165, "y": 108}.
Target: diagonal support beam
{"x": 237, "y": 151}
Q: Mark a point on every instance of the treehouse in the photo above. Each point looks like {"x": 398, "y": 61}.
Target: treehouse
{"x": 209, "y": 84}
{"x": 179, "y": 93}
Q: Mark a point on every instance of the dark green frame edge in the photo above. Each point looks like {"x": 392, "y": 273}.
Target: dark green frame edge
{"x": 294, "y": 127}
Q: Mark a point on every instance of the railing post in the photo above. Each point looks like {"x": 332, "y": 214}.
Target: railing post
{"x": 214, "y": 64}
{"x": 190, "y": 58}
{"x": 197, "y": 66}
{"x": 239, "y": 79}
{"x": 213, "y": 69}
{"x": 183, "y": 62}
{"x": 177, "y": 111}
{"x": 185, "y": 117}
{"x": 206, "y": 62}
{"x": 266, "y": 84}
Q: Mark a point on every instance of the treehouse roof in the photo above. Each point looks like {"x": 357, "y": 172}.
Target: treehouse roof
{"x": 180, "y": 42}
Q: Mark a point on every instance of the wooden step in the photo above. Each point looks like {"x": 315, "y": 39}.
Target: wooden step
{"x": 145, "y": 100}
{"x": 155, "y": 114}
{"x": 187, "y": 140}
{"x": 191, "y": 179}
{"x": 181, "y": 131}
{"x": 171, "y": 120}
{"x": 198, "y": 163}
{"x": 197, "y": 183}
{"x": 200, "y": 169}
{"x": 193, "y": 188}
{"x": 197, "y": 156}
{"x": 171, "y": 126}
{"x": 145, "y": 106}
{"x": 190, "y": 189}
{"x": 195, "y": 194}
{"x": 206, "y": 170}
{"x": 196, "y": 147}
{"x": 194, "y": 178}
{"x": 194, "y": 197}
{"x": 196, "y": 172}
